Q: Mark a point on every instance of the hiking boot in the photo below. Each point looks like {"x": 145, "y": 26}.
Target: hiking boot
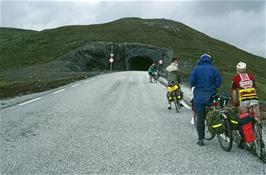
{"x": 241, "y": 144}
{"x": 261, "y": 126}
{"x": 262, "y": 144}
{"x": 200, "y": 143}
{"x": 169, "y": 107}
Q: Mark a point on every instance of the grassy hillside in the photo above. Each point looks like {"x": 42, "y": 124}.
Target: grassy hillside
{"x": 21, "y": 48}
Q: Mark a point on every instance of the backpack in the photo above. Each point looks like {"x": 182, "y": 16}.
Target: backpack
{"x": 215, "y": 121}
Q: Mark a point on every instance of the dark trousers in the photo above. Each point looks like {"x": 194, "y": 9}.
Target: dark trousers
{"x": 201, "y": 114}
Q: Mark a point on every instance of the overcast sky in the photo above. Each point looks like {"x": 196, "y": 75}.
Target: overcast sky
{"x": 240, "y": 23}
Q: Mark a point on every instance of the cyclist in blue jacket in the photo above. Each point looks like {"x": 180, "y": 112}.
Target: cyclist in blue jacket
{"x": 206, "y": 79}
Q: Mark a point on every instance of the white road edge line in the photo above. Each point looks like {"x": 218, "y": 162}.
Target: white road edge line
{"x": 61, "y": 90}
{"x": 75, "y": 85}
{"x": 185, "y": 104}
{"x": 86, "y": 81}
{"x": 30, "y": 101}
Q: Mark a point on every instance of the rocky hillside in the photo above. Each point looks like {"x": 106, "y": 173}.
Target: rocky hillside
{"x": 76, "y": 50}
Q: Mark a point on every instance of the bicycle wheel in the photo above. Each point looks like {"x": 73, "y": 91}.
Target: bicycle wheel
{"x": 176, "y": 102}
{"x": 225, "y": 139}
{"x": 236, "y": 136}
{"x": 258, "y": 143}
{"x": 208, "y": 132}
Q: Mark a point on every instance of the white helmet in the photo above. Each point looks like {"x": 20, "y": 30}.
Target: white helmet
{"x": 241, "y": 66}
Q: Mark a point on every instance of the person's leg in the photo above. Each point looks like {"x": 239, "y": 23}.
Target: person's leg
{"x": 193, "y": 119}
{"x": 169, "y": 102}
{"x": 201, "y": 124}
{"x": 150, "y": 77}
{"x": 243, "y": 108}
{"x": 200, "y": 112}
{"x": 256, "y": 110}
{"x": 193, "y": 113}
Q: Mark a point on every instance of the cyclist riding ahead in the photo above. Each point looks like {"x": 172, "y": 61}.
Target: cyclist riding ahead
{"x": 151, "y": 70}
{"x": 173, "y": 76}
{"x": 243, "y": 85}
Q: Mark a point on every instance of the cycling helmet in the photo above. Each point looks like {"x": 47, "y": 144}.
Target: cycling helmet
{"x": 241, "y": 66}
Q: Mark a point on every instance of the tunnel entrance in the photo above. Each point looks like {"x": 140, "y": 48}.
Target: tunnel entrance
{"x": 139, "y": 63}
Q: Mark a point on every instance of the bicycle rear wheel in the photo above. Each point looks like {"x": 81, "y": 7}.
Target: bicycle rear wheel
{"x": 208, "y": 132}
{"x": 258, "y": 143}
{"x": 177, "y": 106}
{"x": 236, "y": 136}
{"x": 225, "y": 139}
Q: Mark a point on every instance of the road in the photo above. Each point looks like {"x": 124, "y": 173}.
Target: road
{"x": 116, "y": 123}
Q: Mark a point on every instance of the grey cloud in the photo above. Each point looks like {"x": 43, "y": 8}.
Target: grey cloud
{"x": 241, "y": 23}
{"x": 43, "y": 15}
{"x": 214, "y": 8}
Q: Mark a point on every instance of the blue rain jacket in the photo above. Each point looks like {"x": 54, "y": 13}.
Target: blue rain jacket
{"x": 206, "y": 79}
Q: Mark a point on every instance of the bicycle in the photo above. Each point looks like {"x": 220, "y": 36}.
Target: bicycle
{"x": 175, "y": 94}
{"x": 217, "y": 122}
{"x": 155, "y": 76}
{"x": 256, "y": 146}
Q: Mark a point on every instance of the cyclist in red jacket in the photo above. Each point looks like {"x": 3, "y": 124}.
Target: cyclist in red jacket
{"x": 243, "y": 86}
{"x": 243, "y": 83}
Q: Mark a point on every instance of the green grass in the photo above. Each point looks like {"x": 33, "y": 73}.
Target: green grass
{"x": 13, "y": 88}
{"x": 22, "y": 48}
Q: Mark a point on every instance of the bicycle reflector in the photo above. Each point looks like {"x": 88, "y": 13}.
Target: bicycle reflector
{"x": 221, "y": 100}
{"x": 215, "y": 104}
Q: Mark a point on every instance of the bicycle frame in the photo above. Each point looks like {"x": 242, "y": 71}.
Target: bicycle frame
{"x": 155, "y": 76}
{"x": 176, "y": 100}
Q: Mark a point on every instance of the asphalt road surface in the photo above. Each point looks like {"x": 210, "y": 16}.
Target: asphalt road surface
{"x": 116, "y": 123}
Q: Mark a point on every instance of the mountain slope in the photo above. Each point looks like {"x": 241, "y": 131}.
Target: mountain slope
{"x": 31, "y": 47}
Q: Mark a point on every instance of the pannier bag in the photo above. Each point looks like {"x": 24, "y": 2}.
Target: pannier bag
{"x": 215, "y": 121}
{"x": 178, "y": 91}
{"x": 179, "y": 94}
{"x": 246, "y": 127}
{"x": 232, "y": 116}
{"x": 169, "y": 96}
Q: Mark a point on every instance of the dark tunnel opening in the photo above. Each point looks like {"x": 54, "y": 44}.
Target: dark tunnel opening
{"x": 139, "y": 63}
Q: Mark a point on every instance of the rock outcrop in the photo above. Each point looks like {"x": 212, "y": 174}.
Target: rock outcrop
{"x": 95, "y": 56}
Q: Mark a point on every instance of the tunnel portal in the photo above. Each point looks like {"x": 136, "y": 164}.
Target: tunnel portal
{"x": 139, "y": 63}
